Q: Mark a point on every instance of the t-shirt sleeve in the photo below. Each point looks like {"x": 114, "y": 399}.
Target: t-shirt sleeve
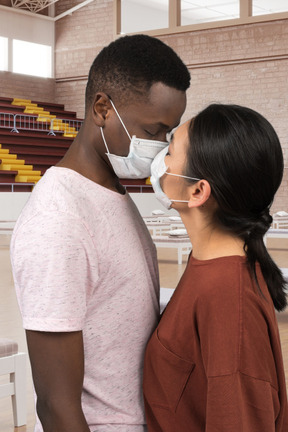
{"x": 236, "y": 400}
{"x": 55, "y": 269}
{"x": 240, "y": 403}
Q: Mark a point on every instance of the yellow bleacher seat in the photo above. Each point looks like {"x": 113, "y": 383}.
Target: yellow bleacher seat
{"x": 36, "y": 110}
{"x": 21, "y": 102}
{"x": 7, "y": 155}
{"x": 45, "y": 117}
{"x": 15, "y": 167}
{"x": 29, "y": 172}
{"x": 69, "y": 135}
{"x": 3, "y": 151}
{"x": 13, "y": 160}
{"x": 27, "y": 179}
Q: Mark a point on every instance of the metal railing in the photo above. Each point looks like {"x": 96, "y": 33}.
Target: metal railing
{"x": 6, "y": 120}
{"x": 73, "y": 124}
{"x": 137, "y": 186}
{"x": 16, "y": 122}
{"x": 14, "y": 185}
{"x": 27, "y": 122}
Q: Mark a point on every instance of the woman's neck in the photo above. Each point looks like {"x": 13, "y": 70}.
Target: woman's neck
{"x": 209, "y": 241}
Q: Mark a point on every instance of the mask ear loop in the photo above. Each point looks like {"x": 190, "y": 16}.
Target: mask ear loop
{"x": 179, "y": 175}
{"x": 118, "y": 115}
{"x": 102, "y": 133}
{"x": 121, "y": 121}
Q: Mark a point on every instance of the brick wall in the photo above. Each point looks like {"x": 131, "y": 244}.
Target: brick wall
{"x": 79, "y": 38}
{"x": 27, "y": 87}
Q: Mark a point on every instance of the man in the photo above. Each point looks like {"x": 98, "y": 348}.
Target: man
{"x": 84, "y": 265}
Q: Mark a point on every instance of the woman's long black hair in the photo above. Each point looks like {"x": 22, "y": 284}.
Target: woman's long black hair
{"x": 238, "y": 152}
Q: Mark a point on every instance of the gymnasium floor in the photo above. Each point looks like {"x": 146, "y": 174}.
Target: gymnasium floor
{"x": 170, "y": 273}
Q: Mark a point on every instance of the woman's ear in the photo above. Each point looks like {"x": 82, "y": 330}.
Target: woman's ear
{"x": 199, "y": 193}
{"x": 100, "y": 108}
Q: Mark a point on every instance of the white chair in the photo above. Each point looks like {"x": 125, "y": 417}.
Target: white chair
{"x": 182, "y": 244}
{"x": 13, "y": 363}
{"x": 165, "y": 295}
{"x": 285, "y": 273}
{"x": 280, "y": 220}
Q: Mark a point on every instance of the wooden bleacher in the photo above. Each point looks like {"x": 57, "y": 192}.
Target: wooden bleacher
{"x": 29, "y": 151}
{"x": 38, "y": 147}
{"x": 53, "y": 108}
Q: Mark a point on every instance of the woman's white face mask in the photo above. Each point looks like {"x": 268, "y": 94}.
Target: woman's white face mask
{"x": 137, "y": 164}
{"x": 158, "y": 169}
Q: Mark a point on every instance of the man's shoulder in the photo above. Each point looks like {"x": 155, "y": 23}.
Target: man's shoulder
{"x": 64, "y": 195}
{"x": 63, "y": 190}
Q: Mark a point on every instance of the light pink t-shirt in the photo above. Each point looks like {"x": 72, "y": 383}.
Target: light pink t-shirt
{"x": 83, "y": 259}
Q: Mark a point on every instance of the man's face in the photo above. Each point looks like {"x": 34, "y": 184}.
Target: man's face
{"x": 152, "y": 118}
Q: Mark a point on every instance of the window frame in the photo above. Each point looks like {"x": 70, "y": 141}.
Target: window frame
{"x": 174, "y": 27}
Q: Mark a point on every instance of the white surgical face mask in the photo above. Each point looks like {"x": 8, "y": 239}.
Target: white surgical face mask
{"x": 158, "y": 169}
{"x": 137, "y": 164}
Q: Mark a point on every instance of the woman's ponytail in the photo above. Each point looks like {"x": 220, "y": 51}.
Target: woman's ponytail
{"x": 256, "y": 251}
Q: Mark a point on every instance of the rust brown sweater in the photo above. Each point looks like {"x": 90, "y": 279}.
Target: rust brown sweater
{"x": 214, "y": 363}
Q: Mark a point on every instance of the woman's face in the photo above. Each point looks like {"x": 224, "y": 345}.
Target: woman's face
{"x": 176, "y": 187}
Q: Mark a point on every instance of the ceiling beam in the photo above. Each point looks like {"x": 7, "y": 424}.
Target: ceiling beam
{"x": 75, "y": 8}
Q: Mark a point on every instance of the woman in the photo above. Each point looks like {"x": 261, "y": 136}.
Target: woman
{"x": 214, "y": 363}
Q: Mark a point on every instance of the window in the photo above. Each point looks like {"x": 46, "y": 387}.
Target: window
{"x": 170, "y": 16}
{"x": 198, "y": 11}
{"x": 3, "y": 53}
{"x": 264, "y": 7}
{"x": 139, "y": 15}
{"x": 32, "y": 59}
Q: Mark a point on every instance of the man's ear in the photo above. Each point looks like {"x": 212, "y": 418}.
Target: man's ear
{"x": 199, "y": 193}
{"x": 100, "y": 108}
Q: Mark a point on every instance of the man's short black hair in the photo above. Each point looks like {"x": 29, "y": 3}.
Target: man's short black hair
{"x": 131, "y": 65}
